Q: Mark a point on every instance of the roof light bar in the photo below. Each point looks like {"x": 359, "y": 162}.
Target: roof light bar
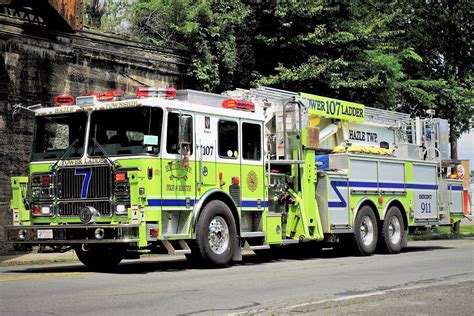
{"x": 150, "y": 92}
{"x": 111, "y": 95}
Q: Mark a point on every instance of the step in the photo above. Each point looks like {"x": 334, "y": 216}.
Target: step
{"x": 261, "y": 247}
{"x": 252, "y": 234}
{"x": 289, "y": 241}
{"x": 172, "y": 251}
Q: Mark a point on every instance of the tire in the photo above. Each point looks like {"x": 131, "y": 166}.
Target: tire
{"x": 99, "y": 258}
{"x": 365, "y": 231}
{"x": 216, "y": 234}
{"x": 391, "y": 236}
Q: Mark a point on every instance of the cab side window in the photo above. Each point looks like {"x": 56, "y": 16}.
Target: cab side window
{"x": 251, "y": 141}
{"x": 172, "y": 136}
{"x": 228, "y": 139}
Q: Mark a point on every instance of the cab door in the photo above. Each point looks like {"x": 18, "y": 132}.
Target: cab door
{"x": 229, "y": 158}
{"x": 178, "y": 174}
{"x": 253, "y": 171}
{"x": 253, "y": 218}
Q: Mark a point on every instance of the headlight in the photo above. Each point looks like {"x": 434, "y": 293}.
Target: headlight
{"x": 42, "y": 186}
{"x": 41, "y": 180}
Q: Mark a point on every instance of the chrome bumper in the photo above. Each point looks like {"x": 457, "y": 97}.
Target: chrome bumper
{"x": 71, "y": 234}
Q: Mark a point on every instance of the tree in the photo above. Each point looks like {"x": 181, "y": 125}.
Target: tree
{"x": 403, "y": 55}
{"x": 94, "y": 9}
{"x": 210, "y": 30}
{"x": 108, "y": 15}
{"x": 341, "y": 50}
{"x": 441, "y": 32}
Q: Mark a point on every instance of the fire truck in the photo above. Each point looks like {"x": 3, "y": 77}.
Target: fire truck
{"x": 207, "y": 175}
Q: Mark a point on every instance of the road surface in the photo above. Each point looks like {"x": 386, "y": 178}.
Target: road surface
{"x": 429, "y": 277}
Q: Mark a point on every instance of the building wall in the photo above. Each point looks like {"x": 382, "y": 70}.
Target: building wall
{"x": 36, "y": 65}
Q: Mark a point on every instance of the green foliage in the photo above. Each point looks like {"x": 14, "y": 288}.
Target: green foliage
{"x": 210, "y": 30}
{"x": 399, "y": 54}
{"x": 108, "y": 15}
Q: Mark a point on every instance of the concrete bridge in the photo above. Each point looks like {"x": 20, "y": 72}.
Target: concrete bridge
{"x": 44, "y": 56}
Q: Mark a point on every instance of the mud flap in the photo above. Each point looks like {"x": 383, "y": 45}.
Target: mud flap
{"x": 238, "y": 251}
{"x": 405, "y": 238}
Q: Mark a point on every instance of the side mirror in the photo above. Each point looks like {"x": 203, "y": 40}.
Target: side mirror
{"x": 185, "y": 138}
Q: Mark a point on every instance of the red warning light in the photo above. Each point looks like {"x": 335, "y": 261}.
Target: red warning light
{"x": 64, "y": 99}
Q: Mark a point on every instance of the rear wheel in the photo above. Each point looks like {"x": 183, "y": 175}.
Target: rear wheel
{"x": 99, "y": 257}
{"x": 216, "y": 234}
{"x": 391, "y": 238}
{"x": 365, "y": 231}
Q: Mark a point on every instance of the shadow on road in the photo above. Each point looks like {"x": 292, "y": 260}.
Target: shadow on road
{"x": 169, "y": 264}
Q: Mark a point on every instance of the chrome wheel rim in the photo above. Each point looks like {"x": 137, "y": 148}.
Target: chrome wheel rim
{"x": 394, "y": 230}
{"x": 367, "y": 231}
{"x": 218, "y": 233}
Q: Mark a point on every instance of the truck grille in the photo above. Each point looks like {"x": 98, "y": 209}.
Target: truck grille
{"x": 84, "y": 186}
{"x": 71, "y": 182}
{"x": 73, "y": 208}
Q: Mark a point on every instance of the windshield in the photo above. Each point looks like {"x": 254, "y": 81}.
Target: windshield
{"x": 126, "y": 131}
{"x": 55, "y": 133}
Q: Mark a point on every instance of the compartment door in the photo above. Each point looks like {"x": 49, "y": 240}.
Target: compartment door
{"x": 425, "y": 190}
{"x": 338, "y": 202}
{"x": 455, "y": 198}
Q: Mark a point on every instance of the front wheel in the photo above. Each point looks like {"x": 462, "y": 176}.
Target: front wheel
{"x": 99, "y": 258}
{"x": 392, "y": 231}
{"x": 365, "y": 231}
{"x": 216, "y": 234}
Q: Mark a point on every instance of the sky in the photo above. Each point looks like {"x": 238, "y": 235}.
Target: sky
{"x": 466, "y": 147}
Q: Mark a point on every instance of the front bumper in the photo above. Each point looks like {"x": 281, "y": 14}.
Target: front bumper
{"x": 71, "y": 234}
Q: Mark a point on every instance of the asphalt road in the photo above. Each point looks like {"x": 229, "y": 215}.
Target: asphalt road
{"x": 429, "y": 277}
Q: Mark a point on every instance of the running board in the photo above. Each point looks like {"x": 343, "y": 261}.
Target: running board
{"x": 289, "y": 241}
{"x": 252, "y": 234}
{"x": 262, "y": 247}
{"x": 172, "y": 251}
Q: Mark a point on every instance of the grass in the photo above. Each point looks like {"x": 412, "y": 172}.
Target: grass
{"x": 469, "y": 229}
{"x": 444, "y": 232}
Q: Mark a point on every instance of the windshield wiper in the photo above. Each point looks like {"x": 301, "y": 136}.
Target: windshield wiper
{"x": 65, "y": 152}
{"x": 106, "y": 156}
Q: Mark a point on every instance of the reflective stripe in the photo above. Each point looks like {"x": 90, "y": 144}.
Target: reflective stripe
{"x": 182, "y": 202}
{"x": 361, "y": 184}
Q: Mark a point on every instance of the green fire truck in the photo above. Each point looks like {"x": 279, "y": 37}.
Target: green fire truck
{"x": 206, "y": 175}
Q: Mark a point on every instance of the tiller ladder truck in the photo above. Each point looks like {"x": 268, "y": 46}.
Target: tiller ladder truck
{"x": 206, "y": 175}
